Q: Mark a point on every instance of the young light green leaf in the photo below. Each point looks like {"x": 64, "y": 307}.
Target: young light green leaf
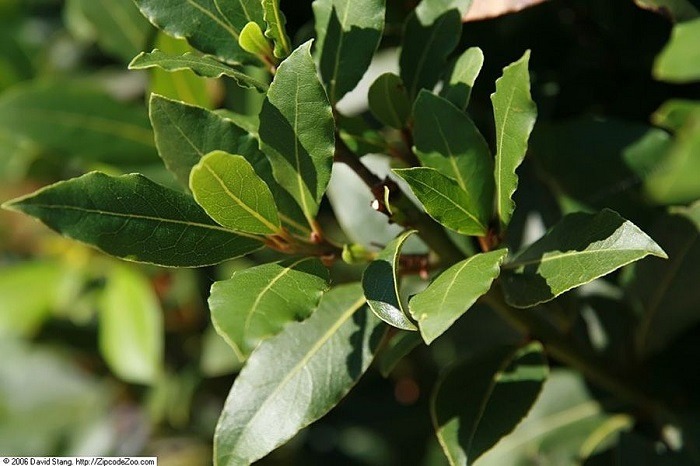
{"x": 117, "y": 25}
{"x": 425, "y": 50}
{"x": 230, "y": 192}
{"x": 388, "y": 101}
{"x": 484, "y": 398}
{"x": 77, "y": 120}
{"x": 679, "y": 61}
{"x": 381, "y": 286}
{"x": 430, "y": 10}
{"x": 453, "y": 292}
{"x": 131, "y": 326}
{"x": 447, "y": 140}
{"x": 296, "y": 377}
{"x": 202, "y": 65}
{"x": 258, "y": 302}
{"x": 349, "y": 32}
{"x": 133, "y": 218}
{"x": 399, "y": 346}
{"x": 252, "y": 40}
{"x": 276, "y": 28}
{"x": 297, "y": 131}
{"x": 211, "y": 26}
{"x": 458, "y": 89}
{"x": 673, "y": 113}
{"x": 444, "y": 200}
{"x": 579, "y": 249}
{"x": 515, "y": 114}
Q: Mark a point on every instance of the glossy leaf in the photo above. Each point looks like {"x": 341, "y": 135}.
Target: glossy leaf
{"x": 276, "y": 28}
{"x": 484, "y": 398}
{"x": 228, "y": 189}
{"x": 453, "y": 292}
{"x": 664, "y": 292}
{"x": 297, "y": 134}
{"x": 381, "y": 287}
{"x": 211, "y": 26}
{"x": 349, "y": 32}
{"x": 444, "y": 200}
{"x": 77, "y": 120}
{"x": 430, "y": 10}
{"x": 131, "y": 326}
{"x": 202, "y": 65}
{"x": 117, "y": 25}
{"x": 579, "y": 249}
{"x": 425, "y": 50}
{"x": 253, "y": 41}
{"x": 389, "y": 101}
{"x": 296, "y": 377}
{"x": 398, "y": 347}
{"x": 515, "y": 114}
{"x": 679, "y": 61}
{"x": 458, "y": 88}
{"x": 133, "y": 218}
{"x": 447, "y": 140}
{"x": 258, "y": 302}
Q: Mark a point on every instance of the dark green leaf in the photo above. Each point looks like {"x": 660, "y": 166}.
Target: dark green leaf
{"x": 515, "y": 114}
{"x": 453, "y": 292}
{"x": 484, "y": 398}
{"x": 258, "y": 302}
{"x": 444, "y": 200}
{"x": 665, "y": 292}
{"x": 202, "y": 65}
{"x": 296, "y": 377}
{"x": 579, "y": 249}
{"x": 399, "y": 346}
{"x": 679, "y": 61}
{"x": 79, "y": 121}
{"x": 425, "y": 50}
{"x": 297, "y": 131}
{"x": 380, "y": 283}
{"x": 430, "y": 10}
{"x": 349, "y": 32}
{"x": 458, "y": 89}
{"x": 131, "y": 326}
{"x": 212, "y": 26}
{"x": 389, "y": 101}
{"x": 117, "y": 25}
{"x": 276, "y": 28}
{"x": 228, "y": 189}
{"x": 133, "y": 218}
{"x": 359, "y": 136}
{"x": 447, "y": 140}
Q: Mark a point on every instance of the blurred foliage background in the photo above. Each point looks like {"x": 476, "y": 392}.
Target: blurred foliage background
{"x": 101, "y": 357}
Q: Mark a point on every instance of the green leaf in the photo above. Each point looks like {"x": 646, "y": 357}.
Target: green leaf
{"x": 515, "y": 114}
{"x": 297, "y": 131}
{"x": 276, "y": 28}
{"x": 579, "y": 249}
{"x": 425, "y": 50}
{"x": 484, "y": 398}
{"x": 381, "y": 286}
{"x": 228, "y": 189}
{"x": 679, "y": 61}
{"x": 673, "y": 113}
{"x": 211, "y": 26}
{"x": 77, "y": 120}
{"x": 133, "y": 218}
{"x": 664, "y": 292}
{"x": 453, "y": 292}
{"x": 296, "y": 377}
{"x": 117, "y": 25}
{"x": 253, "y": 40}
{"x": 447, "y": 140}
{"x": 430, "y": 10}
{"x": 131, "y": 326}
{"x": 388, "y": 101}
{"x": 678, "y": 10}
{"x": 444, "y": 200}
{"x": 399, "y": 346}
{"x": 258, "y": 302}
{"x": 349, "y": 32}
{"x": 202, "y": 65}
{"x": 458, "y": 89}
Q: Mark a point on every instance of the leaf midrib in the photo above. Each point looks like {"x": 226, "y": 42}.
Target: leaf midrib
{"x": 564, "y": 255}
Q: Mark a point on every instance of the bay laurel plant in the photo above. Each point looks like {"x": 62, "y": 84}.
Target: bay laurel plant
{"x": 249, "y": 184}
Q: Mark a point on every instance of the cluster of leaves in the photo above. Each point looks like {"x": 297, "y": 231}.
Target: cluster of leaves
{"x": 248, "y": 183}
